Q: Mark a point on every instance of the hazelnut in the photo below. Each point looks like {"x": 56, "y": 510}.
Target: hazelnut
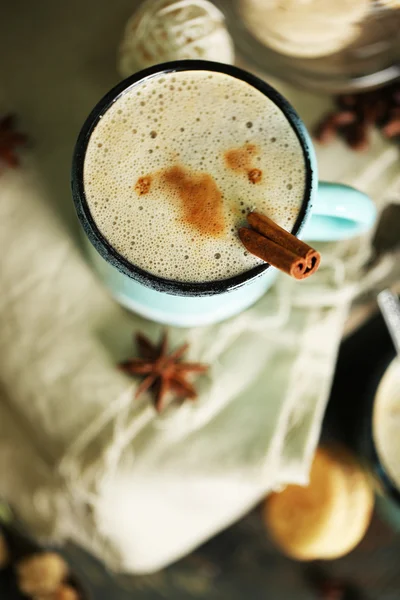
{"x": 41, "y": 574}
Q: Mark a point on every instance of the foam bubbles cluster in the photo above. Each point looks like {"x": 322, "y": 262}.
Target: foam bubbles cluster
{"x": 168, "y": 173}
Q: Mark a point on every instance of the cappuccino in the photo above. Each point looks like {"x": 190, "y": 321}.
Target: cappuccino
{"x": 175, "y": 164}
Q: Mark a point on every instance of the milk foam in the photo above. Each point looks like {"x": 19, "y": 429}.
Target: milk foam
{"x": 386, "y": 421}
{"x": 175, "y": 164}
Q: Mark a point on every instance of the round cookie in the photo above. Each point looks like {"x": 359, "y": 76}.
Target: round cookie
{"x": 359, "y": 505}
{"x": 302, "y": 520}
{"x": 327, "y": 518}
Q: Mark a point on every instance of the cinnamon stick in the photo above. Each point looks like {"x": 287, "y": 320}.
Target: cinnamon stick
{"x": 278, "y": 247}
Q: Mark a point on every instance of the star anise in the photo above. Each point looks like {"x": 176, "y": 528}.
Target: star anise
{"x": 164, "y": 373}
{"x": 10, "y": 140}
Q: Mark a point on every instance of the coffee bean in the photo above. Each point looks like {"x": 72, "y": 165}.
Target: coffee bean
{"x": 357, "y": 114}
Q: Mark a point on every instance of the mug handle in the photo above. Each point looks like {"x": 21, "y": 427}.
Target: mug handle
{"x": 339, "y": 213}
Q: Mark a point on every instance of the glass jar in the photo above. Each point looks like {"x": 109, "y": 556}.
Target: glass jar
{"x": 330, "y": 45}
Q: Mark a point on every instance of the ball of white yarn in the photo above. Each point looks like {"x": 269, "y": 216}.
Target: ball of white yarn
{"x": 163, "y": 30}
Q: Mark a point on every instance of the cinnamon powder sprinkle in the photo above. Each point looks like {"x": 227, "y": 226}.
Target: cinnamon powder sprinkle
{"x": 241, "y": 159}
{"x": 143, "y": 185}
{"x": 255, "y": 175}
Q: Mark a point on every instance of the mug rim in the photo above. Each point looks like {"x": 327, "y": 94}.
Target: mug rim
{"x": 378, "y": 468}
{"x": 101, "y": 244}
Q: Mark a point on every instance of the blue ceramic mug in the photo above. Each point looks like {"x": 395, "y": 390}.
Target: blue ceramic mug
{"x": 329, "y": 212}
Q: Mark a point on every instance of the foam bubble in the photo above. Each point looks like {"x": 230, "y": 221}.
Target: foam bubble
{"x": 171, "y": 172}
